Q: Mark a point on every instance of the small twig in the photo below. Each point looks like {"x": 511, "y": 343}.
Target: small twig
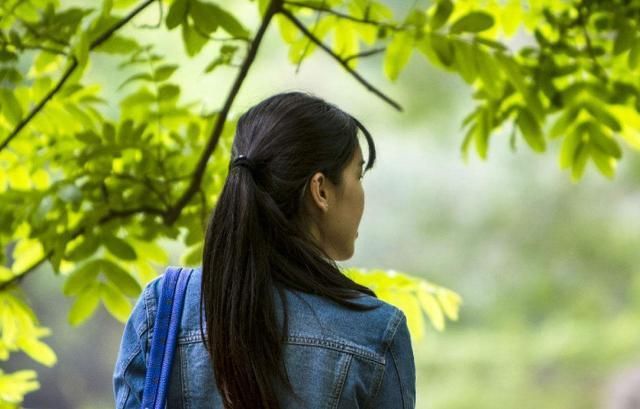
{"x": 365, "y": 53}
{"x": 364, "y": 82}
{"x": 306, "y": 46}
{"x": 160, "y": 19}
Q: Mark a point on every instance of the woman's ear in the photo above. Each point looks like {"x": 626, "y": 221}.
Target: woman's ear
{"x": 319, "y": 190}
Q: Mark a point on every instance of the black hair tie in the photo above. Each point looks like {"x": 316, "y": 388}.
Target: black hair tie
{"x": 242, "y": 160}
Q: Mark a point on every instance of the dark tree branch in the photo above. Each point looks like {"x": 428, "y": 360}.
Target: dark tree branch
{"x": 308, "y": 44}
{"x": 342, "y": 62}
{"x": 74, "y": 64}
{"x": 173, "y": 213}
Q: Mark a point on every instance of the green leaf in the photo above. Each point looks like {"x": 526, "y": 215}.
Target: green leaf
{"x": 624, "y": 39}
{"x": 569, "y": 146}
{"x": 193, "y": 41}
{"x": 82, "y": 248}
{"x": 163, "y": 72}
{"x": 516, "y": 76}
{"x": 81, "y": 49}
{"x": 564, "y": 121}
{"x": 81, "y": 277}
{"x": 168, "y": 92}
{"x": 634, "y": 54}
{"x": 150, "y": 251}
{"x": 177, "y": 14}
{"x": 26, "y": 254}
{"x": 10, "y": 106}
{"x": 118, "y": 247}
{"x": 38, "y": 351}
{"x": 483, "y": 131}
{"x": 604, "y": 143}
{"x": 116, "y": 303}
{"x": 84, "y": 305}
{"x": 193, "y": 256}
{"x": 465, "y": 61}
{"x": 204, "y": 15}
{"x": 604, "y": 162}
{"x": 229, "y": 23}
{"x": 450, "y": 302}
{"x": 288, "y": 30}
{"x": 121, "y": 278}
{"x": 438, "y": 49}
{"x": 441, "y": 14}
{"x": 580, "y": 162}
{"x": 141, "y": 76}
{"x": 473, "y": 22}
{"x": 530, "y": 129}
{"x": 598, "y": 111}
{"x": 118, "y": 44}
{"x": 430, "y": 305}
{"x": 397, "y": 55}
{"x": 208, "y": 16}
{"x": 488, "y": 72}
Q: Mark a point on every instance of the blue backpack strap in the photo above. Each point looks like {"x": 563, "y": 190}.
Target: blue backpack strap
{"x": 165, "y": 333}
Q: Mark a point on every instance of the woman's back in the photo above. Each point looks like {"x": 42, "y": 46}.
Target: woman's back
{"x": 335, "y": 357}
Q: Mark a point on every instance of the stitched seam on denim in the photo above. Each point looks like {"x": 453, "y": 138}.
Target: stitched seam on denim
{"x": 341, "y": 342}
{"x": 313, "y": 311}
{"x": 183, "y": 384}
{"x": 150, "y": 301}
{"x": 377, "y": 379}
{"x": 127, "y": 363}
{"x": 339, "y": 386}
{"x": 392, "y": 327}
{"x": 395, "y": 365}
{"x": 338, "y": 346}
{"x": 125, "y": 398}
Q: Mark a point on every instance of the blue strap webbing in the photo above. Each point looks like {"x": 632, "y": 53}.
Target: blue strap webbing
{"x": 165, "y": 332}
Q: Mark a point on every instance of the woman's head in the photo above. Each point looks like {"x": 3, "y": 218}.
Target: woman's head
{"x": 279, "y": 223}
{"x": 309, "y": 160}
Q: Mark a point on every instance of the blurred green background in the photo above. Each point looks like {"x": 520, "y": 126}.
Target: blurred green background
{"x": 548, "y": 269}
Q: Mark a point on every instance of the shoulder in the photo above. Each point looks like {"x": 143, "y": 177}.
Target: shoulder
{"x": 314, "y": 318}
{"x": 189, "y": 319}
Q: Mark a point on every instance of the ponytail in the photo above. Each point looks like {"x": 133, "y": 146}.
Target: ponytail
{"x": 255, "y": 244}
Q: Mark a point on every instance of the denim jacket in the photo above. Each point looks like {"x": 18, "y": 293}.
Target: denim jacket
{"x": 335, "y": 357}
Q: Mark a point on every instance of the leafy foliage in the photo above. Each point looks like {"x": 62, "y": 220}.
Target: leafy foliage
{"x": 413, "y": 296}
{"x": 91, "y": 191}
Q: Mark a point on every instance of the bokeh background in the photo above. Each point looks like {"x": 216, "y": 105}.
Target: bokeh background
{"x": 548, "y": 269}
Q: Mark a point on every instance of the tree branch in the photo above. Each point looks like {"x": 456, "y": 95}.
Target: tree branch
{"x": 342, "y": 62}
{"x": 173, "y": 213}
{"x": 74, "y": 64}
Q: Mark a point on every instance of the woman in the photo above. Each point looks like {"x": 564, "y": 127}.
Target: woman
{"x": 269, "y": 320}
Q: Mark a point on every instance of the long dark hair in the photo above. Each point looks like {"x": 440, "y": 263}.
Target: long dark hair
{"x": 256, "y": 240}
